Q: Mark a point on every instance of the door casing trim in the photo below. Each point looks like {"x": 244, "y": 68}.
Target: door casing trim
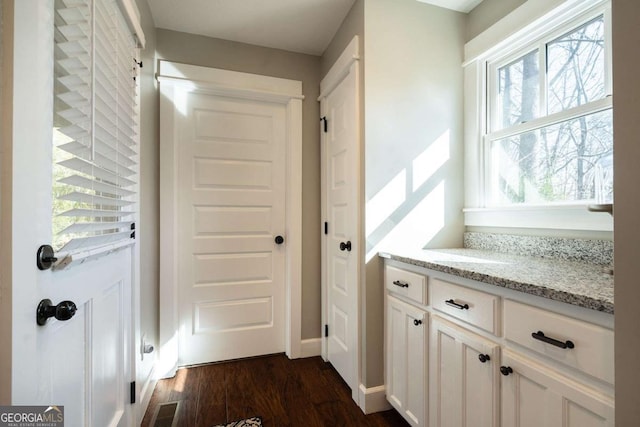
{"x": 179, "y": 79}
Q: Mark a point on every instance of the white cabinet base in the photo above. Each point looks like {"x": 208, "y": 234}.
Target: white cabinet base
{"x": 533, "y": 396}
{"x": 406, "y": 360}
{"x": 463, "y": 377}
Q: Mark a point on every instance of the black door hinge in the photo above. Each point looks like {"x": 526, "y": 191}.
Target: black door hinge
{"x": 326, "y": 227}
{"x": 324, "y": 119}
{"x": 133, "y": 230}
{"x": 132, "y": 391}
{"x": 326, "y": 330}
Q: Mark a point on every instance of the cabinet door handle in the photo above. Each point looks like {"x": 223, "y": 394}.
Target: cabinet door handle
{"x": 562, "y": 344}
{"x": 417, "y": 322}
{"x": 484, "y": 358}
{"x": 401, "y": 284}
{"x": 452, "y": 303}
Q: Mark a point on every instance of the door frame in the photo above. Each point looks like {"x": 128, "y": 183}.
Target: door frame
{"x": 176, "y": 81}
{"x": 348, "y": 62}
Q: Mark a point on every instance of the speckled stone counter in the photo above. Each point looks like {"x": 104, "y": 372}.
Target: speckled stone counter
{"x": 572, "y": 282}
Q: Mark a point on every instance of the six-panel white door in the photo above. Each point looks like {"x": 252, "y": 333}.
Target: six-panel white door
{"x": 85, "y": 363}
{"x": 231, "y": 207}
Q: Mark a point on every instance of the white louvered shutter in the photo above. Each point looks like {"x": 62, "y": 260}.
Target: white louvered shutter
{"x": 95, "y": 128}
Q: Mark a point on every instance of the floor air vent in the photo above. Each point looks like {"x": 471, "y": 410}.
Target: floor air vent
{"x": 166, "y": 415}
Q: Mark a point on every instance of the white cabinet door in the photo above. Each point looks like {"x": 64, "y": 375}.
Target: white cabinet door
{"x": 406, "y": 360}
{"x": 535, "y": 396}
{"x": 463, "y": 377}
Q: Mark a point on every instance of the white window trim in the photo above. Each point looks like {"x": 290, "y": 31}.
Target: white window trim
{"x": 528, "y": 22}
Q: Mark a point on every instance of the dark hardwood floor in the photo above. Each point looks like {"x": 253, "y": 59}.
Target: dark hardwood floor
{"x": 302, "y": 392}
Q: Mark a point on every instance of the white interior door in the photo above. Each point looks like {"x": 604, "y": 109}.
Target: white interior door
{"x": 83, "y": 363}
{"x": 342, "y": 233}
{"x": 231, "y": 214}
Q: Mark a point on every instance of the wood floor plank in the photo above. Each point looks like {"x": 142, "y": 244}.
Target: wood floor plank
{"x": 283, "y": 392}
{"x": 300, "y": 409}
{"x": 212, "y": 399}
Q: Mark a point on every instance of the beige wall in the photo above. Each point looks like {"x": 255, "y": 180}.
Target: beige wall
{"x": 148, "y": 229}
{"x": 216, "y": 53}
{"x": 352, "y": 25}
{"x": 413, "y": 139}
{"x": 488, "y": 13}
{"x": 626, "y": 127}
{"x": 411, "y": 56}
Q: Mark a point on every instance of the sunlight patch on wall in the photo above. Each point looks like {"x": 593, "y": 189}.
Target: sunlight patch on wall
{"x": 418, "y": 228}
{"x": 385, "y": 202}
{"x": 182, "y": 86}
{"x": 431, "y": 159}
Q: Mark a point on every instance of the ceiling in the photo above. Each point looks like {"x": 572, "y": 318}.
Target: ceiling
{"x": 305, "y": 26}
{"x": 460, "y": 5}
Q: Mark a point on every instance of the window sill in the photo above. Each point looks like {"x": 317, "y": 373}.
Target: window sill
{"x": 563, "y": 217}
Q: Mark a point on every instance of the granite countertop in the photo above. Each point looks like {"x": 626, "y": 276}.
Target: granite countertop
{"x": 578, "y": 283}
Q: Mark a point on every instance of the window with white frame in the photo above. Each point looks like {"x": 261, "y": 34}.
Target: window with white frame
{"x": 548, "y": 136}
{"x": 96, "y": 127}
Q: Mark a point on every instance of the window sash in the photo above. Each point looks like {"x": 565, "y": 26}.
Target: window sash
{"x": 491, "y": 132}
{"x": 493, "y": 193}
{"x": 495, "y": 63}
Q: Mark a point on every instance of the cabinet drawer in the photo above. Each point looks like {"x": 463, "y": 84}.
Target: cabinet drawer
{"x": 579, "y": 344}
{"x": 471, "y": 306}
{"x": 406, "y": 283}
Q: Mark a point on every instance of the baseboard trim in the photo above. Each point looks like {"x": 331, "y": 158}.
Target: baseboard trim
{"x": 311, "y": 347}
{"x": 146, "y": 392}
{"x": 373, "y": 399}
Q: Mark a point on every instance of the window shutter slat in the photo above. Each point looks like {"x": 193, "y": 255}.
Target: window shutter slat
{"x": 96, "y": 213}
{"x": 84, "y": 243}
{"x": 98, "y": 200}
{"x": 83, "y": 227}
{"x": 104, "y": 154}
{"x": 93, "y": 185}
{"x": 80, "y": 165}
{"x": 76, "y": 82}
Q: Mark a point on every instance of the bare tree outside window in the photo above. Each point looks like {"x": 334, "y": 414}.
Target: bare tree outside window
{"x": 554, "y": 163}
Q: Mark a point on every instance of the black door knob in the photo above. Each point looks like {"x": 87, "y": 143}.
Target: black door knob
{"x": 63, "y": 311}
{"x": 417, "y": 322}
{"x": 345, "y": 246}
{"x": 506, "y": 370}
{"x": 279, "y": 240}
{"x": 484, "y": 357}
